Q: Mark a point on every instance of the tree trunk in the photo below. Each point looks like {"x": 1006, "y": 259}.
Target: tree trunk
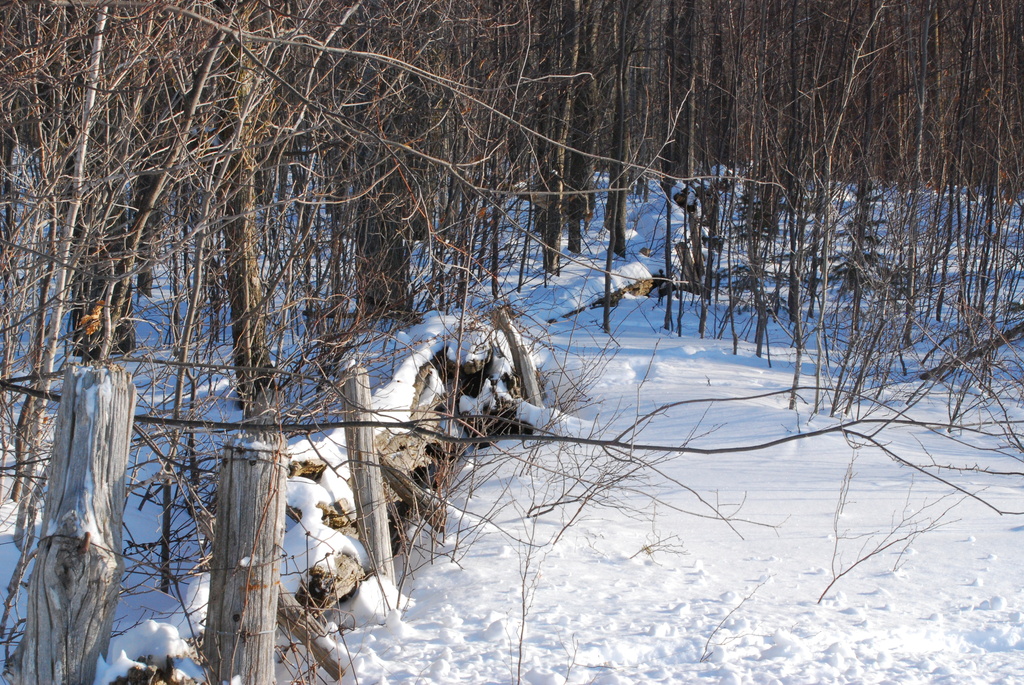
{"x": 583, "y": 121}
{"x": 618, "y": 182}
{"x": 241, "y": 239}
{"x": 245, "y": 292}
{"x": 74, "y": 587}
{"x": 521, "y": 357}
{"x": 382, "y": 262}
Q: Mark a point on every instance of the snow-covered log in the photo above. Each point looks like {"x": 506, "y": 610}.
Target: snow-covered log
{"x": 245, "y": 569}
{"x": 74, "y": 587}
{"x": 962, "y": 358}
{"x": 638, "y": 288}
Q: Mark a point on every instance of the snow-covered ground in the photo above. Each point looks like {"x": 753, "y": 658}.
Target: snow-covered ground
{"x": 569, "y": 563}
{"x": 646, "y": 585}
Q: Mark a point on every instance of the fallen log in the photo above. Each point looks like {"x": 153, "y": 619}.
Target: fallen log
{"x": 421, "y": 503}
{"x": 982, "y": 349}
{"x": 521, "y": 357}
{"x": 638, "y": 288}
{"x": 311, "y": 632}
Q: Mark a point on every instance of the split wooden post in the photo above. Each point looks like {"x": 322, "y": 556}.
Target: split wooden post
{"x": 521, "y": 357}
{"x": 367, "y": 480}
{"x": 75, "y": 584}
{"x": 245, "y": 569}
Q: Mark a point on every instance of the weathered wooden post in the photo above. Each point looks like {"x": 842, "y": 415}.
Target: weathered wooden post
{"x": 367, "y": 481}
{"x": 245, "y": 568}
{"x": 521, "y": 358}
{"x": 74, "y": 586}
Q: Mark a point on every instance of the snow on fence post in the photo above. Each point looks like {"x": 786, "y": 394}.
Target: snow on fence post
{"x": 74, "y": 587}
{"x": 245, "y": 567}
{"x": 367, "y": 480}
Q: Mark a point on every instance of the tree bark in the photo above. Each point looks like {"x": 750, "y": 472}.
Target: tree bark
{"x": 241, "y": 235}
{"x": 618, "y": 181}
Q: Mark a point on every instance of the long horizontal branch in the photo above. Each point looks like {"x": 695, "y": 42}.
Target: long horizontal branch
{"x": 418, "y": 427}
{"x": 985, "y": 347}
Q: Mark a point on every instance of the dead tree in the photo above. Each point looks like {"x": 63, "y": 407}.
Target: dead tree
{"x": 74, "y": 587}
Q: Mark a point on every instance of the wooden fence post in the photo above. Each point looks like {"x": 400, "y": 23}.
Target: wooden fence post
{"x": 75, "y": 584}
{"x": 367, "y": 480}
{"x": 245, "y": 568}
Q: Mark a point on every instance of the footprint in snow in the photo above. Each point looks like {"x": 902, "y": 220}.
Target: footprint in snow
{"x": 541, "y": 677}
{"x": 496, "y": 631}
{"x": 661, "y": 630}
{"x": 997, "y": 603}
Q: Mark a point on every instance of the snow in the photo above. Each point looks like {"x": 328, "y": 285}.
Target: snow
{"x": 251, "y": 443}
{"x": 304, "y": 495}
{"x": 328, "y": 448}
{"x": 118, "y": 667}
{"x": 393, "y": 400}
{"x": 151, "y": 639}
{"x": 818, "y": 559}
{"x": 580, "y": 285}
{"x": 645, "y": 582}
{"x": 375, "y": 603}
{"x": 312, "y": 543}
{"x": 192, "y": 619}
